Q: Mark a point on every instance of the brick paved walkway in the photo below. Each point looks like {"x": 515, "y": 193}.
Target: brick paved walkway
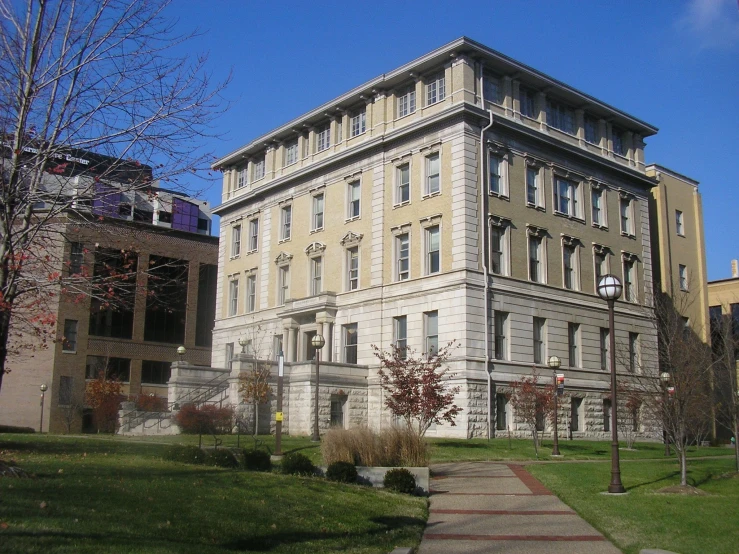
{"x": 487, "y": 507}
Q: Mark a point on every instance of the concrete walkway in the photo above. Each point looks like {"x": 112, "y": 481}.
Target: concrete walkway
{"x": 483, "y": 507}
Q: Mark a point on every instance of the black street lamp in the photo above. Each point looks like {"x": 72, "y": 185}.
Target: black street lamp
{"x": 609, "y": 289}
{"x": 43, "y": 388}
{"x": 554, "y": 363}
{"x": 278, "y": 415}
{"x": 664, "y": 378}
{"x": 318, "y": 342}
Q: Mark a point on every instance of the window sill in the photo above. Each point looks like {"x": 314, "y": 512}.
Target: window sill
{"x": 283, "y": 240}
{"x": 431, "y": 195}
{"x": 404, "y": 116}
{"x": 252, "y": 251}
{"x": 358, "y": 134}
{"x": 628, "y": 235}
{"x": 536, "y": 207}
{"x": 599, "y": 226}
{"x": 237, "y": 256}
{"x": 406, "y": 203}
{"x": 350, "y": 219}
{"x": 69, "y": 351}
{"x": 312, "y": 231}
{"x": 501, "y": 195}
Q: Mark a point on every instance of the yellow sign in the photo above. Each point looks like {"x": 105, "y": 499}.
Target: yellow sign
{"x": 278, "y": 416}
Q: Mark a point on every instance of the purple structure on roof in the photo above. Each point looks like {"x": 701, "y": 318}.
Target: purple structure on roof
{"x": 184, "y": 215}
{"x": 106, "y": 200}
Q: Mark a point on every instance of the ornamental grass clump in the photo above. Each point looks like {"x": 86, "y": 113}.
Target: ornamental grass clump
{"x": 395, "y": 446}
{"x": 342, "y": 472}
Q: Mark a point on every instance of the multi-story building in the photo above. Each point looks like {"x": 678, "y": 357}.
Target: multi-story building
{"x": 678, "y": 245}
{"x": 461, "y": 197}
{"x": 153, "y": 247}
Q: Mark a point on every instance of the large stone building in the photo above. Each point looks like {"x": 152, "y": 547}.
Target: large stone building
{"x": 153, "y": 246}
{"x": 463, "y": 196}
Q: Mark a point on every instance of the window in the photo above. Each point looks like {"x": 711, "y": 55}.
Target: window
{"x": 166, "y": 300}
{"x": 229, "y": 353}
{"x": 566, "y": 197}
{"x": 358, "y": 123}
{"x": 539, "y": 334}
{"x": 433, "y": 184}
{"x": 155, "y": 373}
{"x": 69, "y": 341}
{"x": 498, "y": 249}
{"x": 570, "y": 267}
{"x": 76, "y": 258}
{"x": 591, "y": 130}
{"x": 352, "y": 264}
{"x": 501, "y": 407}
{"x": 112, "y": 368}
{"x": 241, "y": 179}
{"x": 683, "y": 276}
{"x": 316, "y": 270}
{"x": 601, "y": 268}
{"x": 605, "y": 347}
{"x": 633, "y": 352}
{"x": 259, "y": 169}
{"x": 338, "y": 404}
{"x": 403, "y": 184}
{"x": 317, "y": 212}
{"x": 166, "y": 217}
{"x": 501, "y": 345}
{"x": 286, "y": 219}
{"x": 350, "y": 343}
{"x": 402, "y": 256}
{"x": 253, "y": 235}
{"x": 407, "y": 101}
{"x": 291, "y": 153}
{"x": 573, "y": 344}
{"x": 533, "y": 192}
{"x": 104, "y": 320}
{"x": 575, "y": 407}
{"x": 629, "y": 281}
{"x": 431, "y": 323}
{"x": 251, "y": 293}
{"x": 618, "y": 141}
{"x": 527, "y": 100}
{"x": 561, "y": 117}
{"x": 233, "y": 297}
{"x": 435, "y": 89}
{"x": 492, "y": 88}
{"x": 536, "y": 257}
{"x": 400, "y": 335}
{"x": 679, "y": 226}
{"x": 627, "y": 224}
{"x": 606, "y": 415}
{"x": 433, "y": 261}
{"x": 596, "y": 203}
{"x": 497, "y": 175}
{"x": 323, "y": 138}
{"x": 283, "y": 284}
{"x": 235, "y": 240}
{"x": 65, "y": 390}
{"x": 353, "y": 193}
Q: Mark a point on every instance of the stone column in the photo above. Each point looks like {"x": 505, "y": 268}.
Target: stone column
{"x": 541, "y": 109}
{"x": 516, "y": 91}
{"x": 580, "y": 125}
{"x": 508, "y": 95}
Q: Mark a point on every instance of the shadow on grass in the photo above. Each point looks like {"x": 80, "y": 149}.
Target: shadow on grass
{"x": 266, "y": 543}
{"x": 462, "y": 445}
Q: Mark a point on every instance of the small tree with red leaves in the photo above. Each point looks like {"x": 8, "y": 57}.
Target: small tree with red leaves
{"x": 532, "y": 403}
{"x": 417, "y": 386}
{"x": 103, "y": 395}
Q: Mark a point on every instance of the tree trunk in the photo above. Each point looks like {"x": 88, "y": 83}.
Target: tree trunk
{"x": 683, "y": 467}
{"x": 256, "y": 419}
{"x": 736, "y": 440}
{"x": 536, "y": 442}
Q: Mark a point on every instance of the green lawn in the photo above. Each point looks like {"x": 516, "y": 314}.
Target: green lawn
{"x": 646, "y": 519}
{"x": 98, "y": 495}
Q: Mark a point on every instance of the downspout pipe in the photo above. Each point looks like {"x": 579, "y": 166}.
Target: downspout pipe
{"x": 484, "y": 234}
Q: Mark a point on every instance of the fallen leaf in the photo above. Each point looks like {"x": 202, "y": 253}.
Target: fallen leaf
{"x": 3, "y": 525}
{"x": 43, "y": 505}
{"x": 60, "y": 471}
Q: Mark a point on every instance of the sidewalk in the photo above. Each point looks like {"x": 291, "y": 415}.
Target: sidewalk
{"x": 483, "y": 507}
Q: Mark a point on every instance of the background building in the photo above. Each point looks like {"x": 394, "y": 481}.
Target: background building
{"x": 463, "y": 196}
{"x": 152, "y": 247}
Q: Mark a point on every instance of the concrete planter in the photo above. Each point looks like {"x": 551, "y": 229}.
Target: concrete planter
{"x": 375, "y": 476}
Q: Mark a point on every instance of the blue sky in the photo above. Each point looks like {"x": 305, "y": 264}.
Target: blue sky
{"x": 674, "y": 64}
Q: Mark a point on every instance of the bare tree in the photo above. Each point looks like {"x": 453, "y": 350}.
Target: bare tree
{"x": 532, "y": 403}
{"x": 94, "y": 101}
{"x": 725, "y": 346}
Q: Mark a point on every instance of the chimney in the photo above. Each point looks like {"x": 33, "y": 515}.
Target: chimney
{"x": 734, "y": 268}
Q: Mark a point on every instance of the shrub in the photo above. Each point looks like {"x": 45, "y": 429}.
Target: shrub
{"x": 296, "y": 463}
{"x": 400, "y": 480}
{"x": 257, "y": 460}
{"x": 205, "y": 419}
{"x": 14, "y": 429}
{"x": 184, "y": 454}
{"x": 150, "y": 402}
{"x": 342, "y": 472}
{"x": 396, "y": 446}
{"x": 221, "y": 458}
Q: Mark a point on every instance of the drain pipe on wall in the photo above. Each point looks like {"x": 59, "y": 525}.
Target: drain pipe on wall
{"x": 483, "y": 227}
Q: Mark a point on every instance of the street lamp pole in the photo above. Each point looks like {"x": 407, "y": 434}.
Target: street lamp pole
{"x": 554, "y": 362}
{"x": 41, "y": 422}
{"x": 318, "y": 342}
{"x": 609, "y": 289}
{"x": 279, "y": 416}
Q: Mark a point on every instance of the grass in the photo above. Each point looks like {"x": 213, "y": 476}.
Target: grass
{"x": 645, "y": 518}
{"x": 107, "y": 495}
